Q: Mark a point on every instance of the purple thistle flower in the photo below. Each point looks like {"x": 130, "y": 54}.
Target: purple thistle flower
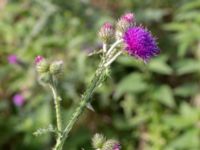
{"x": 117, "y": 146}
{"x": 38, "y": 59}
{"x": 140, "y": 43}
{"x": 18, "y": 100}
{"x": 12, "y": 59}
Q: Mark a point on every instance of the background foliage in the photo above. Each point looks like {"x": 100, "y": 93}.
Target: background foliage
{"x": 147, "y": 107}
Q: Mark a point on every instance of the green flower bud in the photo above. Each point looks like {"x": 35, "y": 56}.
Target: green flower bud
{"x": 125, "y": 22}
{"x": 111, "y": 145}
{"x": 42, "y": 66}
{"x": 56, "y": 67}
{"x": 106, "y": 32}
{"x": 45, "y": 77}
{"x": 98, "y": 140}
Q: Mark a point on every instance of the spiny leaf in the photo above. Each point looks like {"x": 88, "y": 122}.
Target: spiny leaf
{"x": 41, "y": 131}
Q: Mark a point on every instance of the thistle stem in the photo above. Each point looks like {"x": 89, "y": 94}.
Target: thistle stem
{"x": 113, "y": 46}
{"x": 98, "y": 77}
{"x": 113, "y": 58}
{"x": 57, "y": 107}
{"x": 104, "y": 47}
{"x": 96, "y": 81}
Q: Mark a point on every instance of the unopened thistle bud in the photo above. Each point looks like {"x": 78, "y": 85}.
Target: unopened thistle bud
{"x": 56, "y": 67}
{"x": 98, "y": 140}
{"x": 42, "y": 65}
{"x": 111, "y": 145}
{"x": 125, "y": 22}
{"x": 106, "y": 32}
{"x": 45, "y": 77}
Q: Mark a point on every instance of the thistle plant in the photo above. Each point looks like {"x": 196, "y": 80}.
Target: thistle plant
{"x": 123, "y": 38}
{"x": 99, "y": 142}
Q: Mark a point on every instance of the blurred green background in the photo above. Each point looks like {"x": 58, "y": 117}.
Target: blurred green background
{"x": 147, "y": 107}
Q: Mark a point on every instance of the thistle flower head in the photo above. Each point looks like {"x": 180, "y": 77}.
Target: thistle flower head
{"x": 18, "y": 100}
{"x": 125, "y": 22}
{"x": 111, "y": 145}
{"x": 56, "y": 67}
{"x": 106, "y": 32}
{"x": 12, "y": 59}
{"x": 140, "y": 43}
{"x": 42, "y": 65}
{"x": 98, "y": 140}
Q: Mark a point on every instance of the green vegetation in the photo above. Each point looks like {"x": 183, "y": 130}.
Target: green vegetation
{"x": 146, "y": 107}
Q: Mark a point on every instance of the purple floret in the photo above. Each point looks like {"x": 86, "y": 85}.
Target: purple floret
{"x": 12, "y": 59}
{"x": 38, "y": 59}
{"x": 18, "y": 100}
{"x": 117, "y": 147}
{"x": 140, "y": 43}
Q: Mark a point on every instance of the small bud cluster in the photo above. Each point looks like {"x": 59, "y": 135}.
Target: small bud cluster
{"x": 46, "y": 70}
{"x": 135, "y": 40}
{"x": 99, "y": 142}
{"x": 107, "y": 31}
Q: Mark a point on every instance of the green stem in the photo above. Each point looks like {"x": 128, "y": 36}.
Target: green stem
{"x": 98, "y": 78}
{"x": 57, "y": 107}
{"x": 58, "y": 114}
{"x": 58, "y": 145}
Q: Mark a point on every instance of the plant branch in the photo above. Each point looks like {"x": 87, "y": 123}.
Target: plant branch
{"x": 98, "y": 78}
{"x": 113, "y": 58}
{"x": 114, "y": 46}
{"x": 57, "y": 106}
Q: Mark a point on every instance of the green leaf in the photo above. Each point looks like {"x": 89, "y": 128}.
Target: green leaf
{"x": 164, "y": 95}
{"x": 188, "y": 140}
{"x": 129, "y": 61}
{"x": 188, "y": 116}
{"x": 133, "y": 83}
{"x": 187, "y": 66}
{"x": 186, "y": 90}
{"x": 41, "y": 131}
{"x": 160, "y": 67}
{"x": 175, "y": 27}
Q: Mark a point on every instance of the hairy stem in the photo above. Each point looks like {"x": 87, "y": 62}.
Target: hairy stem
{"x": 113, "y": 58}
{"x": 58, "y": 114}
{"x": 104, "y": 47}
{"x": 98, "y": 78}
{"x": 114, "y": 46}
{"x": 57, "y": 107}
